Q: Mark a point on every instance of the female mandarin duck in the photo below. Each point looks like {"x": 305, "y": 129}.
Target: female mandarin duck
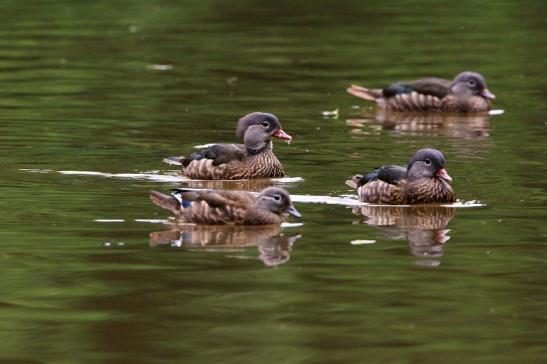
{"x": 217, "y": 207}
{"x": 423, "y": 181}
{"x": 466, "y": 93}
{"x": 252, "y": 159}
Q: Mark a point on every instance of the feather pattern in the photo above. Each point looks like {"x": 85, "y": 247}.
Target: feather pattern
{"x": 261, "y": 165}
{"x": 381, "y": 192}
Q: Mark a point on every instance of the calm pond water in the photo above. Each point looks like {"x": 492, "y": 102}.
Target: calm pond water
{"x": 92, "y": 273}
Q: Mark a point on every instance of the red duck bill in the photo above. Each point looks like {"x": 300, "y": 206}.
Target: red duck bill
{"x": 280, "y": 134}
{"x": 443, "y": 174}
{"x": 487, "y": 94}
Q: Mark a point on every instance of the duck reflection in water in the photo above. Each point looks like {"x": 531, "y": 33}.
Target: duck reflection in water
{"x": 471, "y": 126}
{"x": 423, "y": 226}
{"x": 274, "y": 245}
{"x": 253, "y": 185}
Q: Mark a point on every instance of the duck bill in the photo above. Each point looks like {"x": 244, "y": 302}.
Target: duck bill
{"x": 487, "y": 94}
{"x": 280, "y": 134}
{"x": 443, "y": 174}
{"x": 441, "y": 236}
{"x": 294, "y": 212}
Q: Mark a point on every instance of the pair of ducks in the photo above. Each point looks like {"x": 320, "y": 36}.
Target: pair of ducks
{"x": 423, "y": 180}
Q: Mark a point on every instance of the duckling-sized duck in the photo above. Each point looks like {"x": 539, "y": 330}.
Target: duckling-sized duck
{"x": 467, "y": 93}
{"x": 423, "y": 181}
{"x": 227, "y": 207}
{"x": 252, "y": 159}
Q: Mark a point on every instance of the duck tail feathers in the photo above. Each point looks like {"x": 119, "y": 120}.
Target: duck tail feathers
{"x": 354, "y": 181}
{"x": 167, "y": 202}
{"x": 365, "y": 93}
{"x": 174, "y": 161}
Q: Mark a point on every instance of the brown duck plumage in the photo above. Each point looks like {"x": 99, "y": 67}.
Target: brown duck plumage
{"x": 466, "y": 93}
{"x": 423, "y": 181}
{"x": 227, "y": 207}
{"x": 252, "y": 159}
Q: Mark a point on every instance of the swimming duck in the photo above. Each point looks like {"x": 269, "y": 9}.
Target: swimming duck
{"x": 423, "y": 180}
{"x": 466, "y": 93}
{"x": 252, "y": 159}
{"x": 216, "y": 207}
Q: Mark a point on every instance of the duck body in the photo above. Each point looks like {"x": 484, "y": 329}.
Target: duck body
{"x": 231, "y": 162}
{"x": 423, "y": 181}
{"x": 252, "y": 159}
{"x": 467, "y": 93}
{"x": 218, "y": 207}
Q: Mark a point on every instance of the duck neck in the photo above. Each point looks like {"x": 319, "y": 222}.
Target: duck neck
{"x": 461, "y": 90}
{"x": 256, "y": 147}
{"x": 413, "y": 175}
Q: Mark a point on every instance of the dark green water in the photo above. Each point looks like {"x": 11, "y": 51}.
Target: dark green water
{"x": 81, "y": 90}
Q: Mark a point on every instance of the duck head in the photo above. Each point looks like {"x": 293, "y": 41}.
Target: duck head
{"x": 258, "y": 128}
{"x": 427, "y": 163}
{"x": 276, "y": 200}
{"x": 469, "y": 84}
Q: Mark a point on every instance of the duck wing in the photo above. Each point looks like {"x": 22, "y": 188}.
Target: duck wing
{"x": 216, "y": 198}
{"x": 433, "y": 86}
{"x": 219, "y": 153}
{"x": 391, "y": 174}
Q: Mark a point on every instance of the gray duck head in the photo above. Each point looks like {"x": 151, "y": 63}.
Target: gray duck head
{"x": 258, "y": 128}
{"x": 277, "y": 201}
{"x": 469, "y": 84}
{"x": 427, "y": 163}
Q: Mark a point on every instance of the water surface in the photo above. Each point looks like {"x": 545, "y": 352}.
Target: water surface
{"x": 115, "y": 87}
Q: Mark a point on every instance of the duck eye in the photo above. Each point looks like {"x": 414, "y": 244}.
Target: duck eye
{"x": 277, "y": 198}
{"x": 428, "y": 161}
{"x": 265, "y": 124}
{"x": 472, "y": 83}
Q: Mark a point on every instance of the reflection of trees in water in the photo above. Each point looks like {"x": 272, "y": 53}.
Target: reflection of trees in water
{"x": 422, "y": 226}
{"x": 273, "y": 244}
{"x": 473, "y": 126}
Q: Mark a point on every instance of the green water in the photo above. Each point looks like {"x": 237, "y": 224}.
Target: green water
{"x": 116, "y": 86}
